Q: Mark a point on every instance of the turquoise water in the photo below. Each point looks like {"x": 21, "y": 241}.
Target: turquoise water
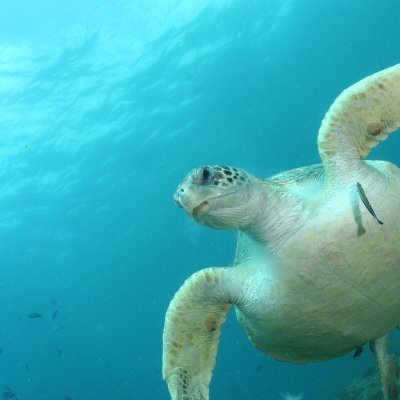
{"x": 104, "y": 107}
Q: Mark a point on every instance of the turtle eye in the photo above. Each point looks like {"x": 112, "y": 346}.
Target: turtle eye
{"x": 205, "y": 175}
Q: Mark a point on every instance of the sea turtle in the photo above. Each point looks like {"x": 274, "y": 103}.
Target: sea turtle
{"x": 317, "y": 268}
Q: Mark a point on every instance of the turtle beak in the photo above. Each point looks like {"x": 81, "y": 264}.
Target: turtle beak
{"x": 192, "y": 194}
{"x": 177, "y": 198}
{"x": 182, "y": 196}
{"x": 186, "y": 198}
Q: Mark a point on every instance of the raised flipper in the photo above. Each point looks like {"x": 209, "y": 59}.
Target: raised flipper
{"x": 191, "y": 332}
{"x": 388, "y": 368}
{"x": 363, "y": 115}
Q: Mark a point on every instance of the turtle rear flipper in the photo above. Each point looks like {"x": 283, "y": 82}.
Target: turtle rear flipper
{"x": 388, "y": 368}
{"x": 191, "y": 332}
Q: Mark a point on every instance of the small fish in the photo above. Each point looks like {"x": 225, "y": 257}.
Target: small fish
{"x": 364, "y": 199}
{"x": 59, "y": 353}
{"x": 54, "y": 315}
{"x": 34, "y": 315}
{"x": 8, "y": 394}
{"x": 358, "y": 351}
{"x": 1, "y": 350}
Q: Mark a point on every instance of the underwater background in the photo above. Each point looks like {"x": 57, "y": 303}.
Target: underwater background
{"x": 104, "y": 107}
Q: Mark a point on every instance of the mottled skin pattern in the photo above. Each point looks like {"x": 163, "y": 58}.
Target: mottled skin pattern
{"x": 314, "y": 276}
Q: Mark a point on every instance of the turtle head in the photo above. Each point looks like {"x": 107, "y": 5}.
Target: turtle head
{"x": 218, "y": 196}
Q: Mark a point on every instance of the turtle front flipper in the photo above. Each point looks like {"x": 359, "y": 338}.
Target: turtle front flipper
{"x": 363, "y": 115}
{"x": 191, "y": 332}
{"x": 388, "y": 368}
